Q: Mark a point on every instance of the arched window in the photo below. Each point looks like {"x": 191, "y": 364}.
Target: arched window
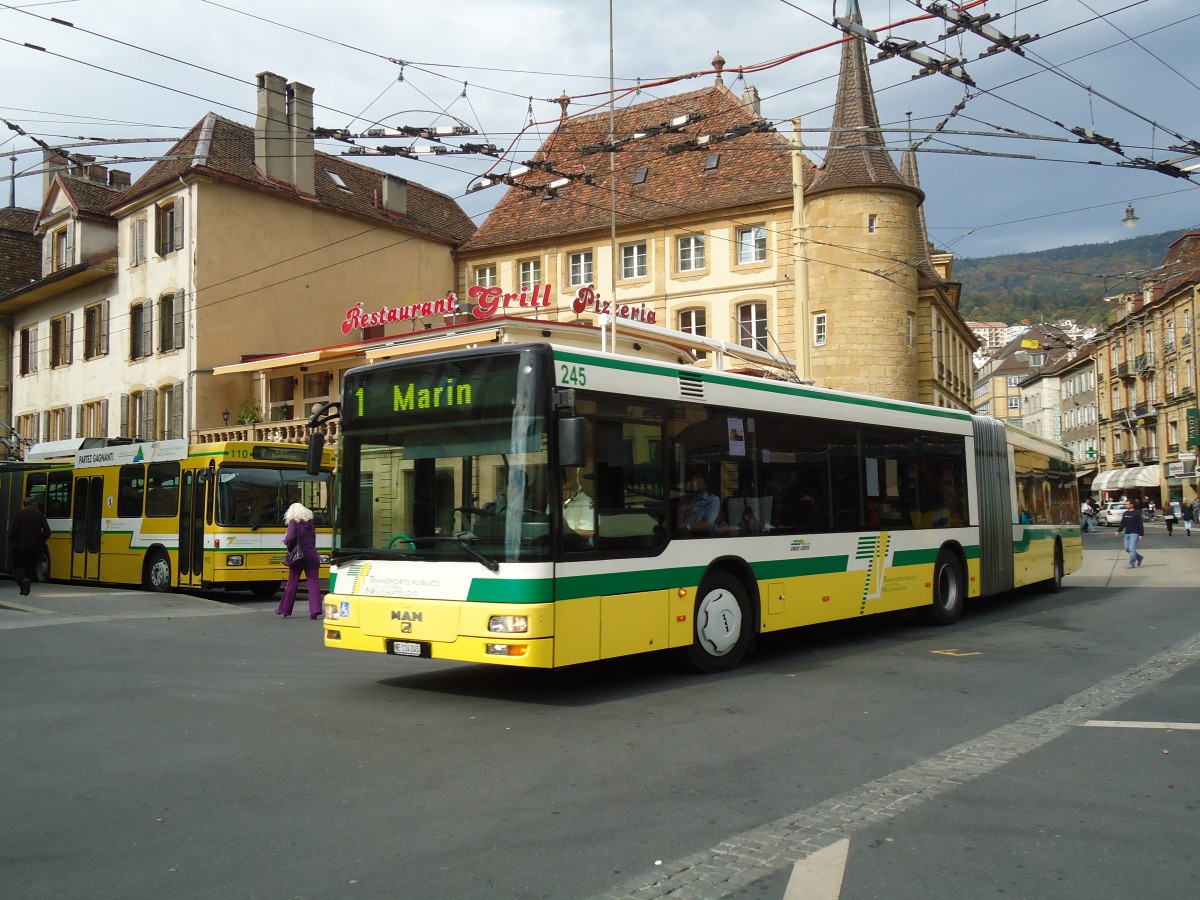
{"x": 752, "y": 325}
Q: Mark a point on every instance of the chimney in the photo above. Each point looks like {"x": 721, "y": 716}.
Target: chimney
{"x": 272, "y": 150}
{"x": 98, "y": 174}
{"x": 300, "y": 123}
{"x": 751, "y": 99}
{"x": 119, "y": 178}
{"x": 395, "y": 195}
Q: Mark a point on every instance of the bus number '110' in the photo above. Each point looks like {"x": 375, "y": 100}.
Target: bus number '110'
{"x": 576, "y": 375}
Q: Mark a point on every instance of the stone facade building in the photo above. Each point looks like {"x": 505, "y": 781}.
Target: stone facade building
{"x": 724, "y": 230}
{"x": 1146, "y": 369}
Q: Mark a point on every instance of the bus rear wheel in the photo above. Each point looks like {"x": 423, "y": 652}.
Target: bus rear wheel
{"x": 157, "y": 574}
{"x": 41, "y": 572}
{"x": 264, "y": 590}
{"x": 949, "y": 590}
{"x": 721, "y": 624}
{"x": 1054, "y": 583}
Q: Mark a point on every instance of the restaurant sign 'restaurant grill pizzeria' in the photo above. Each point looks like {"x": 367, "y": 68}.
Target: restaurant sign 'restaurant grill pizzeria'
{"x": 487, "y": 301}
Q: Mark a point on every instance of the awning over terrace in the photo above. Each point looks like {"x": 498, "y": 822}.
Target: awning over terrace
{"x": 1134, "y": 476}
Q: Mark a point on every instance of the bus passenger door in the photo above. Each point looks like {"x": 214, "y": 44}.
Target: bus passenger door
{"x": 191, "y": 529}
{"x": 85, "y": 528}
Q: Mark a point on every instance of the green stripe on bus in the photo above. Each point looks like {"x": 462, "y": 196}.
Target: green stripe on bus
{"x": 772, "y": 387}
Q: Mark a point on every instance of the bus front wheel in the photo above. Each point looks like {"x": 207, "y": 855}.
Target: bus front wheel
{"x": 721, "y": 624}
{"x": 949, "y": 590}
{"x": 157, "y": 574}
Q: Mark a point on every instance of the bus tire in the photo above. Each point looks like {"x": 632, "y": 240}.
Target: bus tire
{"x": 41, "y": 572}
{"x": 156, "y": 575}
{"x": 264, "y": 590}
{"x": 1054, "y": 583}
{"x": 721, "y": 624}
{"x": 949, "y": 590}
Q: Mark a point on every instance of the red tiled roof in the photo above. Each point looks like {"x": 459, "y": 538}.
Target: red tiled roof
{"x": 753, "y": 168}
{"x": 1181, "y": 264}
{"x": 91, "y": 196}
{"x": 224, "y": 149}
{"x": 20, "y": 249}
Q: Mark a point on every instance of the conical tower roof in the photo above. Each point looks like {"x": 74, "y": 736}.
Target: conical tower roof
{"x": 858, "y": 157}
{"x": 908, "y": 171}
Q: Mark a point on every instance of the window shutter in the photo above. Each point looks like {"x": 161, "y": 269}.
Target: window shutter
{"x": 149, "y": 411}
{"x": 69, "y": 253}
{"x": 176, "y": 410}
{"x": 103, "y": 347}
{"x": 102, "y": 425}
{"x": 46, "y": 426}
{"x": 139, "y": 240}
{"x": 33, "y": 348}
{"x": 66, "y": 423}
{"x": 147, "y": 328}
{"x": 69, "y": 338}
{"x": 79, "y": 421}
{"x": 47, "y": 255}
{"x": 35, "y": 433}
{"x": 124, "y": 416}
{"x": 177, "y": 309}
{"x": 178, "y": 236}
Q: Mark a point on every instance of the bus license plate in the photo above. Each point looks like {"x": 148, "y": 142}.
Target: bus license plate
{"x": 404, "y": 648}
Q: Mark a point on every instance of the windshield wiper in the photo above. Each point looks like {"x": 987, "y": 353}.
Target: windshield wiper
{"x": 264, "y": 516}
{"x": 471, "y": 551}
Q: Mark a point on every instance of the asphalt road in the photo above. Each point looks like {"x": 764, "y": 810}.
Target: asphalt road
{"x": 199, "y": 746}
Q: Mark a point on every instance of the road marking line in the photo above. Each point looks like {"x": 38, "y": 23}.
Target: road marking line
{"x": 956, "y": 652}
{"x": 819, "y": 877}
{"x": 741, "y": 859}
{"x": 1169, "y": 726}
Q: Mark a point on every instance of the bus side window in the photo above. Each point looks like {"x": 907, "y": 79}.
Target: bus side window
{"x": 58, "y": 496}
{"x": 35, "y": 487}
{"x": 162, "y": 489}
{"x": 131, "y": 487}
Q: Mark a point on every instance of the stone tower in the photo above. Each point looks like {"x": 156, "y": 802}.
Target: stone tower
{"x": 865, "y": 248}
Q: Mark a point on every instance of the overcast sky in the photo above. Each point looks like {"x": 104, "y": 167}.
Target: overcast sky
{"x": 132, "y": 70}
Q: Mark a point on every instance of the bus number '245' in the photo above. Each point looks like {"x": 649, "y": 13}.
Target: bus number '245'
{"x": 576, "y": 375}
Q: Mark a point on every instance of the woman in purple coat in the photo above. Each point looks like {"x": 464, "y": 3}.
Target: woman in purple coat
{"x": 301, "y": 532}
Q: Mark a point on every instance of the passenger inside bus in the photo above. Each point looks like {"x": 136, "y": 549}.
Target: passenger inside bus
{"x": 697, "y": 512}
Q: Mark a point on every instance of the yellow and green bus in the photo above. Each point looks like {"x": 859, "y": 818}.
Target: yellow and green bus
{"x": 536, "y": 505}
{"x": 167, "y": 515}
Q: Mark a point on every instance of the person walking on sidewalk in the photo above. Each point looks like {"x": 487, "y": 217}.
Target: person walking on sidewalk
{"x": 1188, "y": 514}
{"x": 1131, "y": 526}
{"x": 28, "y": 534}
{"x": 301, "y": 536}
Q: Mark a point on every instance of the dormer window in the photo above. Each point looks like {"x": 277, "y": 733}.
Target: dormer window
{"x": 62, "y": 248}
{"x": 337, "y": 181}
{"x": 168, "y": 227}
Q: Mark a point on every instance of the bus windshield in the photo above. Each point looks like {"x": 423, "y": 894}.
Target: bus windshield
{"x": 258, "y": 496}
{"x": 446, "y": 459}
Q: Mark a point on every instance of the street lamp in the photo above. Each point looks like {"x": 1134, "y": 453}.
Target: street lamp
{"x": 1131, "y": 218}
{"x": 225, "y": 416}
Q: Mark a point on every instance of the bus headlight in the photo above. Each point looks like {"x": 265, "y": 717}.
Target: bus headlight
{"x": 508, "y": 624}
{"x": 324, "y": 558}
{"x": 235, "y": 559}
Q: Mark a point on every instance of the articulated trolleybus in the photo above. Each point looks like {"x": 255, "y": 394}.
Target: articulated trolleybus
{"x": 166, "y": 514}
{"x": 533, "y": 505}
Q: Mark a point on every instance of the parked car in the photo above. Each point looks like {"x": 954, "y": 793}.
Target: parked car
{"x": 1112, "y": 513}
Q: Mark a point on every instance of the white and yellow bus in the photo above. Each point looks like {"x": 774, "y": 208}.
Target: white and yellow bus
{"x": 165, "y": 514}
{"x": 534, "y": 505}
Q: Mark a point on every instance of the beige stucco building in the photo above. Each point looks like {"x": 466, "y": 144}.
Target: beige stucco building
{"x": 241, "y": 242}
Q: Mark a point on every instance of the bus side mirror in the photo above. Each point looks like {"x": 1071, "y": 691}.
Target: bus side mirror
{"x": 316, "y": 449}
{"x": 571, "y": 450}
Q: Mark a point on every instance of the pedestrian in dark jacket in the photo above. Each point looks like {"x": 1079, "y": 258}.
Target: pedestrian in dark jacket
{"x": 1189, "y": 516}
{"x": 301, "y": 534}
{"x": 1131, "y": 526}
{"x": 28, "y": 534}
